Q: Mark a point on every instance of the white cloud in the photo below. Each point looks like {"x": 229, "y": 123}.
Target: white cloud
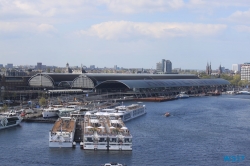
{"x": 13, "y": 27}
{"x": 242, "y": 28}
{"x": 209, "y": 6}
{"x": 129, "y": 30}
{"x": 46, "y": 28}
{"x": 240, "y": 16}
{"x": 216, "y": 3}
{"x": 136, "y": 6}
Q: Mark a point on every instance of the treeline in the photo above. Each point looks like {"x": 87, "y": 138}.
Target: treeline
{"x": 235, "y": 80}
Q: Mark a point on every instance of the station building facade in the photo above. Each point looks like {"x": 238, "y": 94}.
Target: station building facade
{"x": 144, "y": 84}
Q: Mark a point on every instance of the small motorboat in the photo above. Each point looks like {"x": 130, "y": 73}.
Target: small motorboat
{"x": 167, "y": 114}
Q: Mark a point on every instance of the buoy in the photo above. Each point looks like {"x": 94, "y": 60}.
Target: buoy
{"x": 167, "y": 114}
{"x": 74, "y": 144}
{"x": 81, "y": 145}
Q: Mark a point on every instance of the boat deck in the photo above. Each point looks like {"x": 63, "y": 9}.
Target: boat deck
{"x": 65, "y": 125}
{"x": 103, "y": 125}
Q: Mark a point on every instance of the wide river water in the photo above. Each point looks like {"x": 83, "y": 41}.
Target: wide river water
{"x": 200, "y": 131}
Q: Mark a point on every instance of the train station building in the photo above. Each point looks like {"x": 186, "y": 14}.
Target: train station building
{"x": 137, "y": 85}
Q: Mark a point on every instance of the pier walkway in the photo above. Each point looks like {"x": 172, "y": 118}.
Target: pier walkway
{"x": 79, "y": 130}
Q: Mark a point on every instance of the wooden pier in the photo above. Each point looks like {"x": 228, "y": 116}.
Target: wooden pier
{"x": 79, "y": 130}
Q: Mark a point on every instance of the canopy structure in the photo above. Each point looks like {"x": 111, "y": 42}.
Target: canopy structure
{"x": 131, "y": 84}
{"x": 52, "y": 80}
{"x": 90, "y": 80}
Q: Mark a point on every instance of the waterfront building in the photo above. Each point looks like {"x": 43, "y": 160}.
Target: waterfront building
{"x": 90, "y": 80}
{"x": 236, "y": 68}
{"x": 245, "y": 71}
{"x": 14, "y": 82}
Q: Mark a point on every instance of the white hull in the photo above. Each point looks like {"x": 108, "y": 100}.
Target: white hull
{"x": 61, "y": 144}
{"x": 62, "y": 133}
{"x": 48, "y": 114}
{"x": 13, "y": 125}
{"x": 104, "y": 146}
{"x": 5, "y": 127}
{"x": 133, "y": 114}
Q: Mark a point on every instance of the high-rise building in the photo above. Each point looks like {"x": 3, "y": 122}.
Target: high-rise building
{"x": 236, "y": 67}
{"x": 39, "y": 66}
{"x": 166, "y": 66}
{"x": 159, "y": 66}
{"x": 9, "y": 66}
{"x": 245, "y": 71}
{"x": 92, "y": 66}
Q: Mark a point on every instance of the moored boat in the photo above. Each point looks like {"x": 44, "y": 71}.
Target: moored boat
{"x": 65, "y": 111}
{"x": 104, "y": 132}
{"x": 51, "y": 111}
{"x": 9, "y": 121}
{"x": 62, "y": 133}
{"x": 167, "y": 114}
{"x": 182, "y": 95}
{"x": 126, "y": 113}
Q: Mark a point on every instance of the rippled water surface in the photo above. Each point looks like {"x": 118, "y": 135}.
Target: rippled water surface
{"x": 200, "y": 131}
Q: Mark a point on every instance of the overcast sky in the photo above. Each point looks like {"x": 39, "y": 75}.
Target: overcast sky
{"x": 126, "y": 33}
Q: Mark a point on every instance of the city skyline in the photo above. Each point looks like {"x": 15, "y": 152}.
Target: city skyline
{"x": 129, "y": 34}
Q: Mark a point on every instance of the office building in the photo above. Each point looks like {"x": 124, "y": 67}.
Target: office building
{"x": 245, "y": 71}
{"x": 9, "y": 66}
{"x": 166, "y": 66}
{"x": 236, "y": 68}
{"x": 39, "y": 66}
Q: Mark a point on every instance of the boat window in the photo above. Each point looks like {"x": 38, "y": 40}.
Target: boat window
{"x": 89, "y": 139}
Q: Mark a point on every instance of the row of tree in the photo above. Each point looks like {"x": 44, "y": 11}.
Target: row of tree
{"x": 235, "y": 80}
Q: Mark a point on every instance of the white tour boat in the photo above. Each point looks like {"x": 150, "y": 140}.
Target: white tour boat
{"x": 125, "y": 112}
{"x": 182, "y": 95}
{"x": 9, "y": 121}
{"x": 62, "y": 133}
{"x": 105, "y": 132}
{"x": 65, "y": 111}
{"x": 52, "y": 111}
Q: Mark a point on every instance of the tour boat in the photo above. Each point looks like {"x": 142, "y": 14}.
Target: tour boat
{"x": 126, "y": 113}
{"x": 182, "y": 95}
{"x": 9, "y": 121}
{"x": 104, "y": 132}
{"x": 52, "y": 111}
{"x": 62, "y": 133}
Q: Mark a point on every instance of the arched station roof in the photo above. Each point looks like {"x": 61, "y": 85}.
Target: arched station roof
{"x": 90, "y": 80}
{"x": 130, "y": 84}
{"x": 51, "y": 79}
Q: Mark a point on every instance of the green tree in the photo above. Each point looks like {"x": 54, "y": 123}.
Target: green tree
{"x": 42, "y": 101}
{"x": 236, "y": 79}
{"x": 48, "y": 70}
{"x": 58, "y": 70}
{"x": 4, "y": 108}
